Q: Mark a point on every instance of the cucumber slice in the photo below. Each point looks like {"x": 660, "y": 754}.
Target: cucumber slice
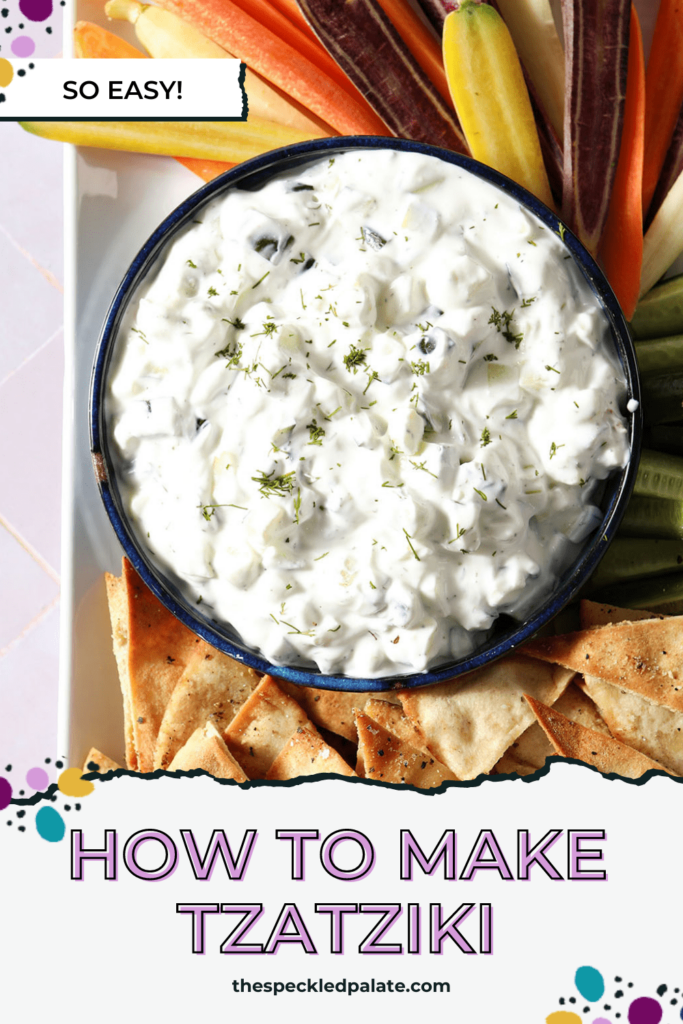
{"x": 657, "y": 355}
{"x": 652, "y": 517}
{"x": 634, "y": 558}
{"x": 665, "y": 439}
{"x": 663, "y": 397}
{"x": 659, "y": 475}
{"x": 660, "y": 312}
{"x": 663, "y": 593}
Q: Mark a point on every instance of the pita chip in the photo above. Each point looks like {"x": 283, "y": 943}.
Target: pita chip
{"x": 331, "y": 709}
{"x": 262, "y": 726}
{"x": 307, "y": 753}
{"x": 213, "y": 688}
{"x": 645, "y": 657}
{"x": 469, "y": 723}
{"x": 116, "y": 599}
{"x": 594, "y": 614}
{"x": 529, "y": 752}
{"x": 158, "y": 651}
{"x": 206, "y": 749}
{"x": 393, "y": 718}
{"x": 96, "y": 761}
{"x": 569, "y": 739}
{"x": 387, "y": 758}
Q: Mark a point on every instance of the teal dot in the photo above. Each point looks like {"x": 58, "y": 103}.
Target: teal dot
{"x": 50, "y": 824}
{"x": 590, "y": 983}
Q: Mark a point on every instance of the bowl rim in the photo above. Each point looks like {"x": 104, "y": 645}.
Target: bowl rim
{"x": 258, "y": 171}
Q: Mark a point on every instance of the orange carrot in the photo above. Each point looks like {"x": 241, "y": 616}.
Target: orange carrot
{"x": 420, "y": 41}
{"x": 206, "y": 169}
{"x": 621, "y": 247}
{"x": 664, "y": 92}
{"x": 291, "y": 10}
{"x": 92, "y": 41}
{"x": 281, "y": 26}
{"x": 280, "y": 63}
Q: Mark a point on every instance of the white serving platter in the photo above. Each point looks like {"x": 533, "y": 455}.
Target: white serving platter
{"x": 113, "y": 202}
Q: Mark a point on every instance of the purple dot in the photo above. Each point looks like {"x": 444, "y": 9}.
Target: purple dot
{"x": 645, "y": 1011}
{"x": 5, "y": 793}
{"x": 601, "y": 1020}
{"x": 37, "y": 778}
{"x": 23, "y": 46}
{"x": 36, "y": 10}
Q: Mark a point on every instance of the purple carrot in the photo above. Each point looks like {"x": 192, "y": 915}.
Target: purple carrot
{"x": 673, "y": 166}
{"x": 360, "y": 38}
{"x": 596, "y": 58}
{"x": 436, "y": 11}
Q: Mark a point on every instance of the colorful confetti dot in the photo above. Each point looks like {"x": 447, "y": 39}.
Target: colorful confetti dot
{"x": 5, "y": 793}
{"x": 37, "y": 778}
{"x": 50, "y": 824}
{"x": 71, "y": 784}
{"x": 645, "y": 1011}
{"x": 563, "y": 1017}
{"x": 590, "y": 983}
{"x": 601, "y": 1020}
{"x": 36, "y": 10}
{"x": 6, "y": 72}
{"x": 23, "y": 46}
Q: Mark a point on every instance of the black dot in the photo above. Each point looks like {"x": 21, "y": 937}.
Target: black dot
{"x": 661, "y": 990}
{"x": 2, "y": 97}
{"x": 561, "y": 1001}
{"x": 571, "y": 999}
{"x": 618, "y": 994}
{"x": 67, "y": 807}
{"x": 21, "y": 814}
{"x": 21, "y": 26}
{"x": 617, "y": 979}
{"x": 21, "y": 73}
{"x": 8, "y": 29}
{"x": 673, "y": 1002}
{"x": 8, "y": 767}
{"x": 630, "y": 984}
{"x": 48, "y": 760}
{"x": 586, "y": 1009}
{"x": 48, "y": 30}
{"x": 53, "y": 798}
{"x": 22, "y": 828}
{"x": 31, "y": 66}
{"x": 78, "y": 807}
{"x": 9, "y": 822}
{"x": 21, "y": 792}
{"x": 4, "y": 12}
{"x": 607, "y": 1006}
{"x": 59, "y": 764}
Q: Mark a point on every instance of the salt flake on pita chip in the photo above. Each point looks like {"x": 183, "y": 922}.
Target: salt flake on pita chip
{"x": 386, "y": 758}
{"x": 206, "y": 750}
{"x": 608, "y": 755}
{"x": 213, "y": 688}
{"x": 306, "y": 753}
{"x": 645, "y": 657}
{"x": 469, "y": 723}
{"x": 262, "y": 726}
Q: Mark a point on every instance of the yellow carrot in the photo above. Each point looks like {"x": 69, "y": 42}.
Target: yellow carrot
{"x": 165, "y": 35}
{"x": 664, "y": 239}
{"x": 491, "y": 98}
{"x": 231, "y": 141}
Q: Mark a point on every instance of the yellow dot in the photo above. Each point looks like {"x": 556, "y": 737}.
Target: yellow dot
{"x": 563, "y": 1017}
{"x": 6, "y": 72}
{"x": 71, "y": 784}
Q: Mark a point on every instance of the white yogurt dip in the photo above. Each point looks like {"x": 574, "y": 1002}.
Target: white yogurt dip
{"x": 362, "y": 411}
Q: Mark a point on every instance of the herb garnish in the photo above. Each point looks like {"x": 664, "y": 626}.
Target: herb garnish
{"x": 356, "y": 357}
{"x": 485, "y": 437}
{"x": 554, "y": 449}
{"x": 503, "y": 323}
{"x": 409, "y": 539}
{"x": 316, "y": 433}
{"x": 269, "y": 484}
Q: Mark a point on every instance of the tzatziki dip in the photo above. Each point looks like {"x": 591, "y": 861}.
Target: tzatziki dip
{"x": 365, "y": 410}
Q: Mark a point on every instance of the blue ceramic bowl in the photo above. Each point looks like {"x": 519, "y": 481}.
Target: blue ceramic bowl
{"x": 507, "y": 633}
